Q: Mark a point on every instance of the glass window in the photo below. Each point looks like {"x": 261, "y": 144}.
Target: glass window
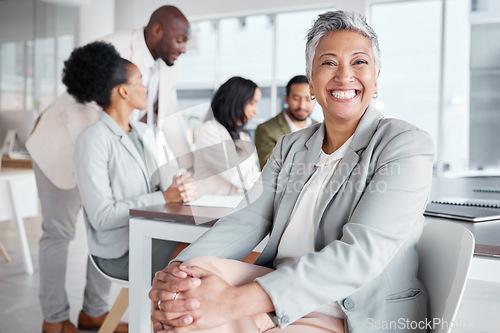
{"x": 485, "y": 97}
{"x": 214, "y": 54}
{"x": 246, "y": 48}
{"x": 409, "y": 82}
{"x": 32, "y": 57}
{"x": 12, "y": 75}
{"x": 196, "y": 68}
{"x": 291, "y": 30}
{"x": 408, "y": 85}
{"x": 29, "y": 97}
{"x": 45, "y": 71}
{"x": 197, "y": 65}
{"x": 65, "y": 45}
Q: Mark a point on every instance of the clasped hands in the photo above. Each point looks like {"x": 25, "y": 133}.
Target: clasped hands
{"x": 183, "y": 189}
{"x": 190, "y": 298}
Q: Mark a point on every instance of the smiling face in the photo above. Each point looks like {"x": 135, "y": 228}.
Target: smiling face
{"x": 299, "y": 102}
{"x": 343, "y": 76}
{"x": 137, "y": 92}
{"x": 172, "y": 39}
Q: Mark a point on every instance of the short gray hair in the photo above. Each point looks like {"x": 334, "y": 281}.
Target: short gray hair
{"x": 334, "y": 21}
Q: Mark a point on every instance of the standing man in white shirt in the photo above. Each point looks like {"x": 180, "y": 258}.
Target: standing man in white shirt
{"x": 291, "y": 119}
{"x": 154, "y": 50}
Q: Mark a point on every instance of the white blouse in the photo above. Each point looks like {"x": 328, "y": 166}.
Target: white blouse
{"x": 298, "y": 237}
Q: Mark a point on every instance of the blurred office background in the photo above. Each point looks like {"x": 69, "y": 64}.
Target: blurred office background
{"x": 439, "y": 59}
{"x": 439, "y": 71}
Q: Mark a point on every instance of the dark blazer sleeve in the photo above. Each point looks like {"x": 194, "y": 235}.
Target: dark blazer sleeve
{"x": 265, "y": 143}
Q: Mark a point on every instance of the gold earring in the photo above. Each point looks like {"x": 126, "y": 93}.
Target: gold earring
{"x": 375, "y": 95}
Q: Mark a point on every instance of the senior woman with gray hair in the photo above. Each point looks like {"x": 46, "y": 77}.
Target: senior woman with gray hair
{"x": 342, "y": 202}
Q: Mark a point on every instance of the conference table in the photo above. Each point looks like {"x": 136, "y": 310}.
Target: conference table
{"x": 177, "y": 222}
{"x": 486, "y": 263}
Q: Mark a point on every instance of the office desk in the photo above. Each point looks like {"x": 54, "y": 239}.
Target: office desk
{"x": 19, "y": 199}
{"x": 486, "y": 233}
{"x": 23, "y": 163}
{"x": 174, "y": 222}
{"x": 486, "y": 262}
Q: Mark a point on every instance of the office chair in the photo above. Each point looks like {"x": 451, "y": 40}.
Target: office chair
{"x": 445, "y": 253}
{"x": 119, "y": 306}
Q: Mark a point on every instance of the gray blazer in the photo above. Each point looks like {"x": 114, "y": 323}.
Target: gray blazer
{"x": 112, "y": 178}
{"x": 369, "y": 222}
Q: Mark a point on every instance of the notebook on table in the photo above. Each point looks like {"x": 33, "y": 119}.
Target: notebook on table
{"x": 472, "y": 210}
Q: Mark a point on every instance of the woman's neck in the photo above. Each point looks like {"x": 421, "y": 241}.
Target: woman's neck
{"x": 121, "y": 115}
{"x": 335, "y": 137}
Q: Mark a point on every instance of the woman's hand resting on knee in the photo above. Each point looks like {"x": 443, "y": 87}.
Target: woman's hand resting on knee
{"x": 167, "y": 284}
{"x": 204, "y": 305}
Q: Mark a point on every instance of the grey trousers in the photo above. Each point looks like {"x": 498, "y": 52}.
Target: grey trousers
{"x": 59, "y": 210}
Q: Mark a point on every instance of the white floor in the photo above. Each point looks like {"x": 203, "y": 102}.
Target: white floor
{"x": 20, "y": 311}
{"x": 19, "y": 307}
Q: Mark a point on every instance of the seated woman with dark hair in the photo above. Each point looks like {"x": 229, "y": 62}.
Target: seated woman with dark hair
{"x": 225, "y": 160}
{"x": 114, "y": 159}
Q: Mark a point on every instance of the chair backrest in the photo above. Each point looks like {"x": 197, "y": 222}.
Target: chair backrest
{"x": 124, "y": 283}
{"x": 445, "y": 254}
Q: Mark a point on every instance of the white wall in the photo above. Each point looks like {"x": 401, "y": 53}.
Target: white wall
{"x": 16, "y": 20}
{"x": 134, "y": 13}
{"x": 97, "y": 19}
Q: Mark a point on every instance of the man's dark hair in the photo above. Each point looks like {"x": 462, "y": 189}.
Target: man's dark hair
{"x": 295, "y": 80}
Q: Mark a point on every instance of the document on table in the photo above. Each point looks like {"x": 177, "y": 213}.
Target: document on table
{"x": 212, "y": 200}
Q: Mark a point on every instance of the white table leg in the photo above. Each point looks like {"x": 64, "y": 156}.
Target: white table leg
{"x": 139, "y": 278}
{"x": 28, "y": 265}
{"x": 142, "y": 231}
